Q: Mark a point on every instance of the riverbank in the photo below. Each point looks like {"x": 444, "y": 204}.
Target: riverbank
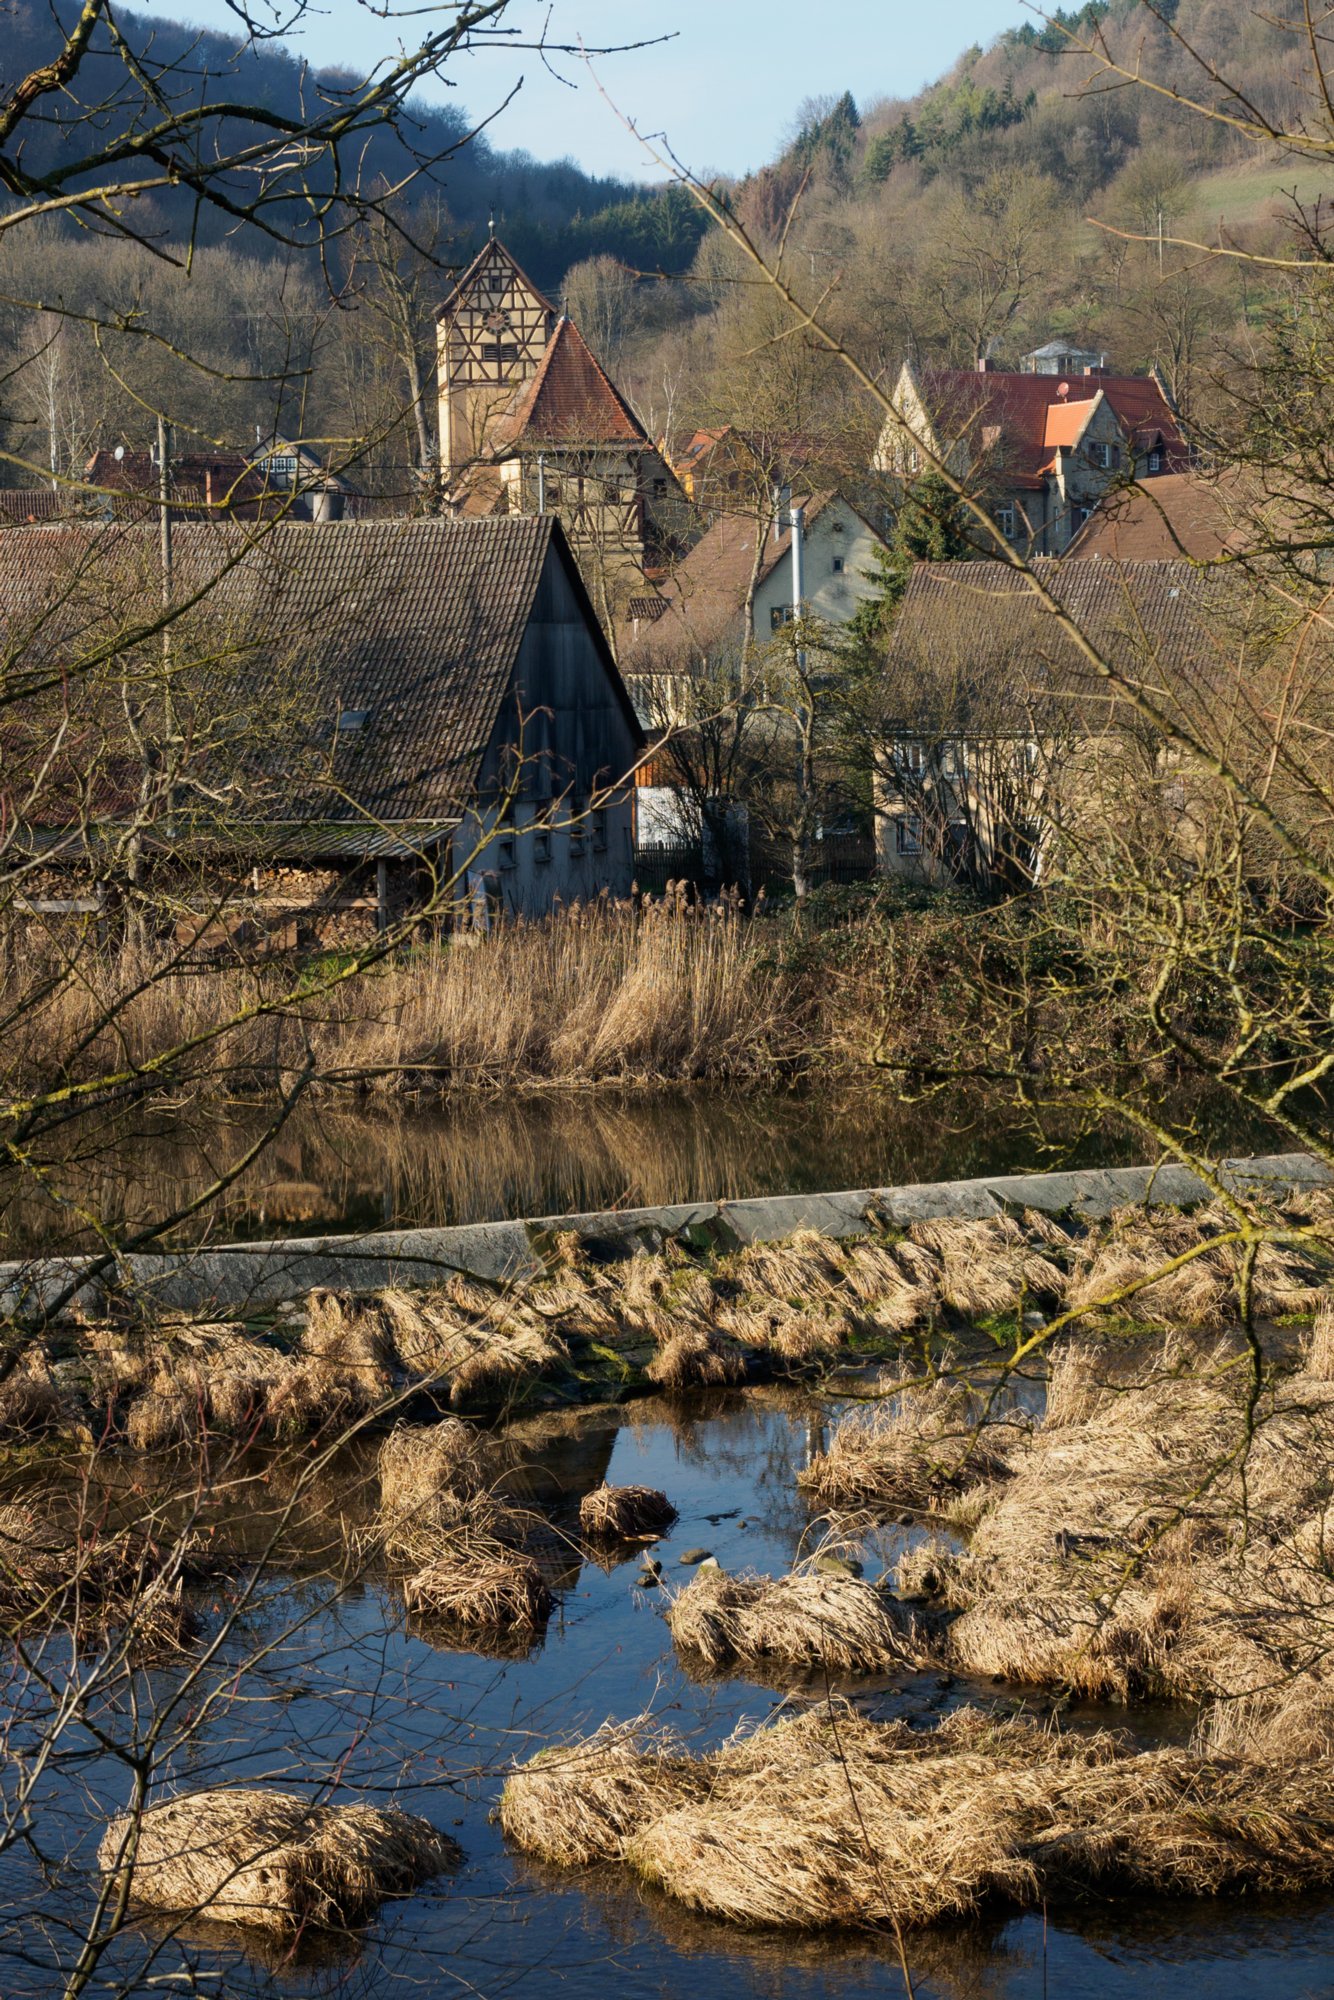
{"x": 297, "y": 1338}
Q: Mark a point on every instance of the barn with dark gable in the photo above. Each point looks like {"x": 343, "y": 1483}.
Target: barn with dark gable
{"x": 362, "y": 712}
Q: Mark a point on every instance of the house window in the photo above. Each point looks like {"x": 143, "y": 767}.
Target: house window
{"x": 909, "y": 759}
{"x": 1101, "y": 454}
{"x": 838, "y": 565}
{"x": 908, "y": 835}
{"x": 1078, "y": 516}
{"x": 541, "y": 847}
{"x": 780, "y": 616}
{"x": 600, "y": 831}
{"x": 505, "y": 847}
{"x": 660, "y": 488}
{"x": 1005, "y": 521}
{"x": 1155, "y": 461}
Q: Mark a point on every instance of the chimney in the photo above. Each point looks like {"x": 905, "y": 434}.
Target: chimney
{"x": 985, "y": 365}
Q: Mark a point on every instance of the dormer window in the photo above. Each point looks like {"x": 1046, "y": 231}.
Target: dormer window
{"x": 1155, "y": 461}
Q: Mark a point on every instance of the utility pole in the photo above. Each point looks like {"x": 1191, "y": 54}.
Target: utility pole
{"x": 164, "y": 544}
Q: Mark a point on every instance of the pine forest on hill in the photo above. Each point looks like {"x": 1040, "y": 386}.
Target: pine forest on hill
{"x": 1008, "y": 203}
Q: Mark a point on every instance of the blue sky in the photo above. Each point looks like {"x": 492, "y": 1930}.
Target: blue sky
{"x": 724, "y": 90}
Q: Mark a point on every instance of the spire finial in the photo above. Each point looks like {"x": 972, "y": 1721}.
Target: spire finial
{"x": 491, "y": 227}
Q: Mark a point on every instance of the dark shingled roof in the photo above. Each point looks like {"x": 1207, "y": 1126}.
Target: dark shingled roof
{"x": 973, "y": 637}
{"x": 1200, "y": 515}
{"x": 414, "y": 626}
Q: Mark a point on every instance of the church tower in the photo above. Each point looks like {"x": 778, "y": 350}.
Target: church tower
{"x": 492, "y": 333}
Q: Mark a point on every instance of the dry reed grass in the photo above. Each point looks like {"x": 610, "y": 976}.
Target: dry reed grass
{"x": 478, "y": 1583}
{"x": 809, "y": 1619}
{"x": 271, "y": 1859}
{"x": 579, "y": 1804}
{"x": 1203, "y": 1292}
{"x": 89, "y": 1581}
{"x": 830, "y": 1820}
{"x": 625, "y": 1513}
{"x": 926, "y": 1443}
{"x": 613, "y": 991}
{"x": 992, "y": 1265}
{"x": 696, "y": 1359}
{"x": 1164, "y": 1531}
{"x": 420, "y": 1463}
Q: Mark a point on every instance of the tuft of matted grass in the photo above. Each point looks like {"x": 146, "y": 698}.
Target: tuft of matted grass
{"x": 271, "y": 1859}
{"x": 1166, "y": 1530}
{"x": 830, "y": 1820}
{"x": 992, "y": 1265}
{"x": 88, "y": 1580}
{"x": 923, "y": 1444}
{"x": 420, "y": 1463}
{"x": 809, "y": 1619}
{"x": 695, "y": 1359}
{"x": 1117, "y": 1265}
{"x": 625, "y": 1513}
{"x": 579, "y": 1803}
{"x": 480, "y": 1584}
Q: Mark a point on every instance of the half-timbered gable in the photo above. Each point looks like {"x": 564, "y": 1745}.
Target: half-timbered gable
{"x": 492, "y": 333}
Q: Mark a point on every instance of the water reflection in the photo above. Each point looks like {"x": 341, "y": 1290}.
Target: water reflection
{"x": 399, "y": 1715}
{"x": 334, "y": 1167}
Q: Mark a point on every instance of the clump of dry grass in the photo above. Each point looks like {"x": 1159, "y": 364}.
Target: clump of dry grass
{"x": 696, "y": 1359}
{"x": 625, "y": 1513}
{"x": 272, "y": 1859}
{"x": 31, "y": 1402}
{"x": 925, "y": 1443}
{"x": 991, "y": 1265}
{"x": 477, "y": 1583}
{"x": 88, "y": 1580}
{"x": 1165, "y": 1532}
{"x": 420, "y": 1463}
{"x": 579, "y": 1804}
{"x": 208, "y": 1379}
{"x": 829, "y": 1819}
{"x": 1115, "y": 1269}
{"x": 808, "y": 1619}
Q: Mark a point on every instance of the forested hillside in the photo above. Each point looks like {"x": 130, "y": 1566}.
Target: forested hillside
{"x": 1019, "y": 198}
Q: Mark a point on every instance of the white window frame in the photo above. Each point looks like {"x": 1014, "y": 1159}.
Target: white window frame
{"x": 908, "y": 836}
{"x": 1008, "y": 522}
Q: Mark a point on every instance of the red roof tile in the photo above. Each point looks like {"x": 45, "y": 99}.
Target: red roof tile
{"x": 963, "y": 402}
{"x": 570, "y": 401}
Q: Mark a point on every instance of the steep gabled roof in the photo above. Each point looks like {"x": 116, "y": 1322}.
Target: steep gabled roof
{"x": 492, "y": 252}
{"x": 974, "y": 638}
{"x": 571, "y": 401}
{"x": 414, "y": 626}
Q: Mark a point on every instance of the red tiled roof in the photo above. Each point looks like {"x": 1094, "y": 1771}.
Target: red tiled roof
{"x": 25, "y": 504}
{"x": 963, "y": 401}
{"x": 224, "y": 480}
{"x": 570, "y": 401}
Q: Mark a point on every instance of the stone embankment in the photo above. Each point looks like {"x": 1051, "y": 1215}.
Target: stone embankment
{"x": 232, "y": 1277}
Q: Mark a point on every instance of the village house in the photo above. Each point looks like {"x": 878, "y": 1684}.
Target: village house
{"x": 279, "y": 479}
{"x": 692, "y": 633}
{"x": 531, "y": 423}
{"x": 997, "y": 735}
{"x": 698, "y": 612}
{"x": 1040, "y": 449}
{"x": 354, "y": 721}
